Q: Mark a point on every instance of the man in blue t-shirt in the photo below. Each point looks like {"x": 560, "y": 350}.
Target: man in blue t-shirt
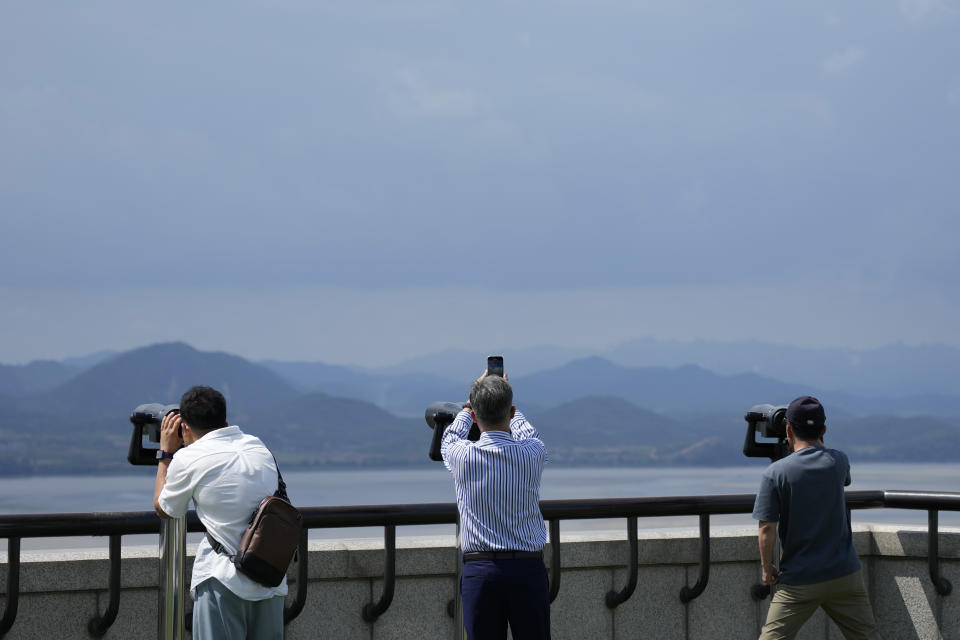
{"x": 803, "y": 492}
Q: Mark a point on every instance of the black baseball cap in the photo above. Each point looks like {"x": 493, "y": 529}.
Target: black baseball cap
{"x": 806, "y": 413}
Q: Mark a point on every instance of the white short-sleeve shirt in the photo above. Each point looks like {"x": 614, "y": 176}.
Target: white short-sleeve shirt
{"x": 226, "y": 473}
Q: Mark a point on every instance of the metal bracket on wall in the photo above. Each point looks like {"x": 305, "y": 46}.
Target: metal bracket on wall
{"x": 941, "y": 584}
{"x": 614, "y": 598}
{"x": 99, "y": 624}
{"x": 373, "y": 611}
{"x": 687, "y": 593}
{"x": 292, "y": 611}
{"x": 13, "y": 586}
{"x": 554, "y": 559}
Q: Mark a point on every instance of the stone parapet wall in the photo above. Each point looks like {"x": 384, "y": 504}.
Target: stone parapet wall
{"x": 60, "y": 592}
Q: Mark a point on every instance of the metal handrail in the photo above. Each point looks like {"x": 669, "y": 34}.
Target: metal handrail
{"x": 116, "y": 524}
{"x": 146, "y": 522}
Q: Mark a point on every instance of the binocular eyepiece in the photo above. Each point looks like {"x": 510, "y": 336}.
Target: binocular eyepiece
{"x": 439, "y": 416}
{"x": 146, "y": 420}
{"x": 771, "y": 422}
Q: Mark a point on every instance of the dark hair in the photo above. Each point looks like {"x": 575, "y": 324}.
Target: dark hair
{"x": 807, "y": 433}
{"x": 203, "y": 408}
{"x": 491, "y": 399}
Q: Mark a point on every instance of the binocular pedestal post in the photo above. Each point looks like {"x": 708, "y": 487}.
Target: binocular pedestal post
{"x": 173, "y": 552}
{"x": 461, "y": 632}
{"x": 439, "y": 416}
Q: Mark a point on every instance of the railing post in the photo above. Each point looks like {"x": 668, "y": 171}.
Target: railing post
{"x": 291, "y": 612}
{"x": 373, "y": 611}
{"x": 173, "y": 552}
{"x": 99, "y": 624}
{"x": 687, "y": 593}
{"x": 614, "y": 598}
{"x": 941, "y": 584}
{"x": 554, "y": 559}
{"x": 13, "y": 585}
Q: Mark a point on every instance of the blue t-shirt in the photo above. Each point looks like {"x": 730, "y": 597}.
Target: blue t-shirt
{"x": 803, "y": 492}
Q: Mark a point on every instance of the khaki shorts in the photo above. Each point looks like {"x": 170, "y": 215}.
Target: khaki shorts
{"x": 844, "y": 600}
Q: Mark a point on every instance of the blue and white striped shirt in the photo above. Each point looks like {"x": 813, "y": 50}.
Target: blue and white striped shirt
{"x": 497, "y": 481}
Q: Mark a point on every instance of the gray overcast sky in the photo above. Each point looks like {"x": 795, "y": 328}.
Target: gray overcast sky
{"x": 359, "y": 182}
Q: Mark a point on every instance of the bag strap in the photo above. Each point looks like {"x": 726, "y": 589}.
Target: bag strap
{"x": 281, "y": 493}
{"x": 216, "y": 546}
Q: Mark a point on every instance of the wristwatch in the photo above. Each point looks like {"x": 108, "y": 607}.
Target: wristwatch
{"x": 164, "y": 455}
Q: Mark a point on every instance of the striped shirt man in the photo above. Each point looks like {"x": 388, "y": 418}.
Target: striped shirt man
{"x": 497, "y": 482}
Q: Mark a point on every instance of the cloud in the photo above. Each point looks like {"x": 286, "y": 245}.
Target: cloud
{"x": 844, "y": 61}
{"x": 600, "y": 89}
{"x": 953, "y": 96}
{"x": 816, "y": 107}
{"x": 831, "y": 19}
{"x": 411, "y": 94}
{"x": 917, "y": 11}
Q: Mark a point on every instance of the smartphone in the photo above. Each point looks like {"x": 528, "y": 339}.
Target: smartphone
{"x": 495, "y": 366}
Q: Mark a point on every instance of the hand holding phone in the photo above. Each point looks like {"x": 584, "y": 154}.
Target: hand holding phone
{"x": 495, "y": 366}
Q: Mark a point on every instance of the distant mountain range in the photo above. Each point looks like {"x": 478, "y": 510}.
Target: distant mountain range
{"x": 82, "y": 424}
{"x": 62, "y": 418}
{"x": 685, "y": 390}
{"x": 40, "y": 375}
{"x": 401, "y": 393}
{"x": 898, "y": 369}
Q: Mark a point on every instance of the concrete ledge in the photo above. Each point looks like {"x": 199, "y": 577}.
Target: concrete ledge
{"x": 60, "y": 591}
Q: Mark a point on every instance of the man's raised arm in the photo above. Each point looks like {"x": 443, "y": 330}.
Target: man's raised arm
{"x": 521, "y": 429}
{"x": 455, "y": 435}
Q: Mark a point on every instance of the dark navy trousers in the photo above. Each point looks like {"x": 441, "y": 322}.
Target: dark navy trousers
{"x": 497, "y": 592}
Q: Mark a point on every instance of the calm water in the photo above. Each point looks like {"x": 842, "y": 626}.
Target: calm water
{"x": 71, "y": 494}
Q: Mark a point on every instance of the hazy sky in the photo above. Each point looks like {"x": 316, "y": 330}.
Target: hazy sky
{"x": 363, "y": 181}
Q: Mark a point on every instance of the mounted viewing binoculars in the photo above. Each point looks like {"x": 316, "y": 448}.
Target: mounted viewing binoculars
{"x": 771, "y": 422}
{"x": 439, "y": 416}
{"x": 146, "y": 421}
{"x": 172, "y": 621}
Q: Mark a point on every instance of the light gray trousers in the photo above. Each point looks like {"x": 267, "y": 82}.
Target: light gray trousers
{"x": 218, "y": 614}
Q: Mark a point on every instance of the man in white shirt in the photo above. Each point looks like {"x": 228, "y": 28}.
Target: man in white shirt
{"x": 226, "y": 473}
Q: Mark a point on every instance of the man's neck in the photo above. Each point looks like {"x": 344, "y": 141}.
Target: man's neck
{"x": 803, "y": 444}
{"x": 505, "y": 429}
